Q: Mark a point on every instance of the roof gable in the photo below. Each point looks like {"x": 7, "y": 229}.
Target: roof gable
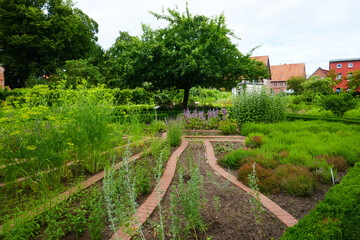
{"x": 286, "y": 71}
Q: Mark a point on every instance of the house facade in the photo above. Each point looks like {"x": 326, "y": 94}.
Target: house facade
{"x": 320, "y": 72}
{"x": 281, "y": 73}
{"x": 255, "y": 84}
{"x": 344, "y": 68}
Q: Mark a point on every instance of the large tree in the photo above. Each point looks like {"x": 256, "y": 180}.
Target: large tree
{"x": 38, "y": 36}
{"x": 190, "y": 51}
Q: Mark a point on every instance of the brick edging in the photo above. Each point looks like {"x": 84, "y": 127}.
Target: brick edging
{"x": 280, "y": 213}
{"x": 65, "y": 195}
{"x": 148, "y": 207}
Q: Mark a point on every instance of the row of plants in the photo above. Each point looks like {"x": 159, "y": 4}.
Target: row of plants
{"x": 292, "y": 156}
{"x": 212, "y": 119}
{"x": 38, "y": 142}
{"x": 103, "y": 208}
{"x": 41, "y": 94}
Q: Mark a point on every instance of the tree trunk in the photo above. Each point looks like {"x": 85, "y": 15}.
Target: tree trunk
{"x": 186, "y": 97}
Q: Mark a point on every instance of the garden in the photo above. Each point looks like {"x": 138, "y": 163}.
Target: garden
{"x": 76, "y": 164}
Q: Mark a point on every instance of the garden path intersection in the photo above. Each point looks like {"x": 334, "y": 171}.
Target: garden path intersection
{"x": 148, "y": 207}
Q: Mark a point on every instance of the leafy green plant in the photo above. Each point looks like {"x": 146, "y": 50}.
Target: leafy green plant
{"x": 228, "y": 127}
{"x": 174, "y": 134}
{"x": 338, "y": 103}
{"x": 258, "y": 107}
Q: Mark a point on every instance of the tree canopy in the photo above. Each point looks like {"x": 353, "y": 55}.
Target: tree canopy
{"x": 38, "y": 36}
{"x": 193, "y": 50}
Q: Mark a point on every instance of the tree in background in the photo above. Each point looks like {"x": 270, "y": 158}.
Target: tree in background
{"x": 191, "y": 51}
{"x": 338, "y": 103}
{"x": 38, "y": 36}
{"x": 354, "y": 81}
{"x": 323, "y": 86}
{"x": 296, "y": 84}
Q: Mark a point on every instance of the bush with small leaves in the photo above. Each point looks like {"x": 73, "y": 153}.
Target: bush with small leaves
{"x": 296, "y": 180}
{"x": 268, "y": 182}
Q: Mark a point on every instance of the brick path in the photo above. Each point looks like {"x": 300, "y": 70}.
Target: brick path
{"x": 280, "y": 213}
{"x": 155, "y": 197}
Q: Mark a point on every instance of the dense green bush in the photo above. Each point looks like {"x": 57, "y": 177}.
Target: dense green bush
{"x": 338, "y": 103}
{"x": 336, "y": 217}
{"x": 258, "y": 107}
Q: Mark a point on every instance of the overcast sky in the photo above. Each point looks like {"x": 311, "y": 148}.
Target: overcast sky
{"x": 289, "y": 31}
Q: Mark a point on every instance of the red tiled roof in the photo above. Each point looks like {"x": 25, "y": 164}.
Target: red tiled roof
{"x": 286, "y": 71}
{"x": 264, "y": 59}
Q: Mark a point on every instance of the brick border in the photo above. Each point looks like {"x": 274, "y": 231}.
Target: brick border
{"x": 148, "y": 207}
{"x": 280, "y": 213}
{"x": 65, "y": 195}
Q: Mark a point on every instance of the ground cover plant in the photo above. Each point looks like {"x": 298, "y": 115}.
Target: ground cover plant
{"x": 295, "y": 156}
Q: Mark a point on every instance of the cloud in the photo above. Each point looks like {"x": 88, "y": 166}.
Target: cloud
{"x": 292, "y": 31}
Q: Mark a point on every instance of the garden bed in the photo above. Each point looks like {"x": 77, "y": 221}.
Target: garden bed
{"x": 226, "y": 210}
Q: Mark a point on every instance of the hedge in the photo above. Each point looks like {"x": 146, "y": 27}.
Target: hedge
{"x": 293, "y": 117}
{"x": 337, "y": 216}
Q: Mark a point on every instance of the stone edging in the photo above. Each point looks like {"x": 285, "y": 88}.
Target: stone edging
{"x": 147, "y": 208}
{"x": 280, "y": 213}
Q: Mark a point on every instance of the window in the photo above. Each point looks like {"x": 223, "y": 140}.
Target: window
{"x": 349, "y": 76}
{"x": 281, "y": 84}
{"x": 275, "y": 85}
{"x": 350, "y": 65}
{"x": 338, "y": 65}
{"x": 285, "y": 84}
{"x": 338, "y": 76}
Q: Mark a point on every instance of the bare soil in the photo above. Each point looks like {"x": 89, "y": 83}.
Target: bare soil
{"x": 226, "y": 209}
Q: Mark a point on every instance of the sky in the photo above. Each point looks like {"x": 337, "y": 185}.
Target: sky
{"x": 288, "y": 31}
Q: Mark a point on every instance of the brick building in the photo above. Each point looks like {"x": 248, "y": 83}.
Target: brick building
{"x": 320, "y": 72}
{"x": 344, "y": 68}
{"x": 281, "y": 73}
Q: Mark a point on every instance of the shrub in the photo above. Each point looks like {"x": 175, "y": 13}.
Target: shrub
{"x": 338, "y": 162}
{"x": 254, "y": 140}
{"x": 265, "y": 161}
{"x": 296, "y": 180}
{"x": 227, "y": 127}
{"x": 336, "y": 217}
{"x": 322, "y": 170}
{"x": 235, "y": 159}
{"x": 174, "y": 134}
{"x": 268, "y": 182}
{"x": 258, "y": 107}
{"x": 338, "y": 103}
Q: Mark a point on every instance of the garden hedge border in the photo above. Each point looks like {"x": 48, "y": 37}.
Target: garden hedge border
{"x": 293, "y": 117}
{"x": 337, "y": 216}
